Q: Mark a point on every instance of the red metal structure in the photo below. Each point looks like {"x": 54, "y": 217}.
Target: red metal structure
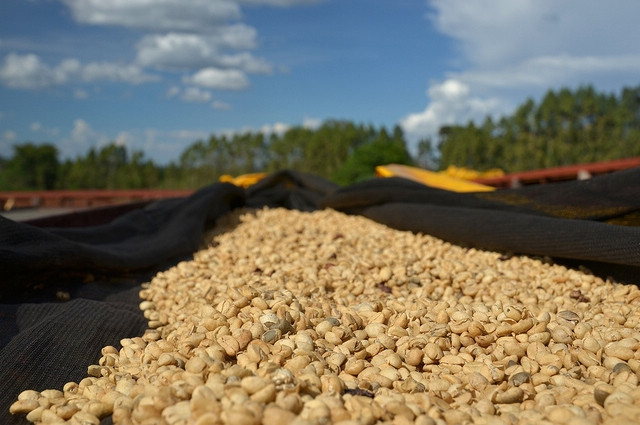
{"x": 554, "y": 174}
{"x": 82, "y": 198}
{"x": 77, "y": 208}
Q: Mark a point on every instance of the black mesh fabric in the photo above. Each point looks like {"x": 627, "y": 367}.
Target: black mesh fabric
{"x": 45, "y": 343}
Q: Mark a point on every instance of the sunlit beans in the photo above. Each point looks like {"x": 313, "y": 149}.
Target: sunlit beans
{"x": 320, "y": 318}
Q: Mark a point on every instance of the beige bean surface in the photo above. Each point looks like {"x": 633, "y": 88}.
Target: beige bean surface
{"x": 318, "y": 318}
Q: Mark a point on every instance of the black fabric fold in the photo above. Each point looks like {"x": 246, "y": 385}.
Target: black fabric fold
{"x": 602, "y": 198}
{"x": 137, "y": 240}
{"x": 290, "y": 189}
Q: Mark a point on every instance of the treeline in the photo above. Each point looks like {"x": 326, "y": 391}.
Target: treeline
{"x": 341, "y": 151}
{"x": 565, "y": 127}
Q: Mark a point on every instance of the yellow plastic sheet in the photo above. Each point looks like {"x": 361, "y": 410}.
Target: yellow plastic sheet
{"x": 469, "y": 174}
{"x": 430, "y": 178}
{"x": 244, "y": 180}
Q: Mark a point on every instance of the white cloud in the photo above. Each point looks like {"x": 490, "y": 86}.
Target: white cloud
{"x": 278, "y": 128}
{"x": 124, "y": 138}
{"x": 173, "y": 50}
{"x": 450, "y": 103}
{"x": 81, "y": 132}
{"x": 280, "y": 3}
{"x": 246, "y": 62}
{"x": 203, "y": 37}
{"x": 221, "y": 79}
{"x": 113, "y": 72}
{"x": 311, "y": 123}
{"x": 544, "y": 71}
{"x": 29, "y": 72}
{"x": 498, "y": 32}
{"x": 541, "y": 43}
{"x": 188, "y": 50}
{"x": 196, "y": 94}
{"x": 220, "y": 105}
{"x": 26, "y": 71}
{"x": 157, "y": 15}
{"x": 81, "y": 138}
{"x": 84, "y": 135}
{"x": 180, "y": 50}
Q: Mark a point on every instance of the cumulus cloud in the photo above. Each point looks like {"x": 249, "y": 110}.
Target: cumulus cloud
{"x": 543, "y": 71}
{"x": 311, "y": 123}
{"x": 80, "y": 138}
{"x": 280, "y": 3}
{"x": 158, "y": 15}
{"x": 82, "y": 132}
{"x": 278, "y": 128}
{"x": 29, "y": 72}
{"x": 221, "y": 79}
{"x": 97, "y": 71}
{"x": 205, "y": 38}
{"x": 541, "y": 42}
{"x": 499, "y": 31}
{"x": 450, "y": 102}
{"x": 188, "y": 50}
{"x": 196, "y": 94}
{"x": 268, "y": 129}
{"x": 124, "y": 138}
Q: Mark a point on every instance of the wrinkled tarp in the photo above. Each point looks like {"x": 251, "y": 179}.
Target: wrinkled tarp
{"x": 45, "y": 343}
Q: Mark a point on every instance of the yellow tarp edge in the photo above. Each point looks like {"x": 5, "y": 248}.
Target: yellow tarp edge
{"x": 244, "y": 180}
{"x": 432, "y": 179}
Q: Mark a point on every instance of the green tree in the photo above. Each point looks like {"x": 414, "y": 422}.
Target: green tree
{"x": 32, "y": 167}
{"x": 361, "y": 164}
{"x": 566, "y": 127}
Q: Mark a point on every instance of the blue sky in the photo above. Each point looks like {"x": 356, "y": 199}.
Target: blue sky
{"x": 156, "y": 75}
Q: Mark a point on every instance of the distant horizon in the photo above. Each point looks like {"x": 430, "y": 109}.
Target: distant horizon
{"x": 83, "y": 73}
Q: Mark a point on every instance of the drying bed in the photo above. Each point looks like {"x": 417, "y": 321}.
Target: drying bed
{"x": 322, "y": 317}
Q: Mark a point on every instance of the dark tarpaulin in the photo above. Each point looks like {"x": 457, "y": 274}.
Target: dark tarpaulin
{"x": 46, "y": 343}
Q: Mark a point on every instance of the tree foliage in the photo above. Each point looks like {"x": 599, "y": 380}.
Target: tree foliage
{"x": 325, "y": 151}
{"x": 110, "y": 167}
{"x": 565, "y": 127}
{"x": 31, "y": 167}
{"x": 383, "y": 150}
